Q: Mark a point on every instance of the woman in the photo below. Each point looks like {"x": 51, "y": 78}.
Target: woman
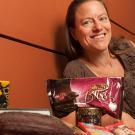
{"x": 92, "y": 53}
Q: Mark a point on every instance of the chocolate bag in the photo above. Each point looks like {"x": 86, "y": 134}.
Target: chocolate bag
{"x": 103, "y": 92}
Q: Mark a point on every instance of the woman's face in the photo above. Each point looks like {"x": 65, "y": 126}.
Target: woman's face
{"x": 92, "y": 26}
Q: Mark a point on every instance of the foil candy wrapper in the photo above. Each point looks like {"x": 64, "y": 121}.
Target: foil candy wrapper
{"x": 105, "y": 93}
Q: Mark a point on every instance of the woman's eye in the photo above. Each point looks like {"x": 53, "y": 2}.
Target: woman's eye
{"x": 103, "y": 18}
{"x": 87, "y": 22}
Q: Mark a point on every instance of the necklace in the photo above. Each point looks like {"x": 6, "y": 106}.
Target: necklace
{"x": 98, "y": 72}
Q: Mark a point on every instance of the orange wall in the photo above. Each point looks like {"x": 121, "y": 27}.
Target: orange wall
{"x": 41, "y": 22}
{"x": 27, "y": 69}
{"x": 122, "y": 12}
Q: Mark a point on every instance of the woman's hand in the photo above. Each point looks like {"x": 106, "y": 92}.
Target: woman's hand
{"x": 128, "y": 120}
{"x": 108, "y": 120}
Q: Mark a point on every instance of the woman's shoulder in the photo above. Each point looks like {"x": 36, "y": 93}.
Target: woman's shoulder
{"x": 75, "y": 68}
{"x": 72, "y": 69}
{"x": 73, "y": 64}
{"x": 121, "y": 44}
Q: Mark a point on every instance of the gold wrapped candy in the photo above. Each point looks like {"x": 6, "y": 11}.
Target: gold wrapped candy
{"x": 89, "y": 115}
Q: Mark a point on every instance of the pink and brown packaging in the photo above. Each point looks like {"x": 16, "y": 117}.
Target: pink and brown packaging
{"x": 105, "y": 93}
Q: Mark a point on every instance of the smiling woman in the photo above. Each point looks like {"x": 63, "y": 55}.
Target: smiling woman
{"x": 92, "y": 27}
{"x": 92, "y": 51}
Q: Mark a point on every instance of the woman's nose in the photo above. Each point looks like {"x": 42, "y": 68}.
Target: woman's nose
{"x": 97, "y": 27}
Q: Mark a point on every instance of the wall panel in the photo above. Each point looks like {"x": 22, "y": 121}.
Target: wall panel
{"x": 27, "y": 69}
{"x": 37, "y": 21}
{"x": 122, "y": 11}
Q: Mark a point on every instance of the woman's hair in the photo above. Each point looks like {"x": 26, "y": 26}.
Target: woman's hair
{"x": 74, "y": 49}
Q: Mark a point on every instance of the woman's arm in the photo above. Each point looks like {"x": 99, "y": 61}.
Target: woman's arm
{"x": 108, "y": 120}
{"x": 128, "y": 120}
